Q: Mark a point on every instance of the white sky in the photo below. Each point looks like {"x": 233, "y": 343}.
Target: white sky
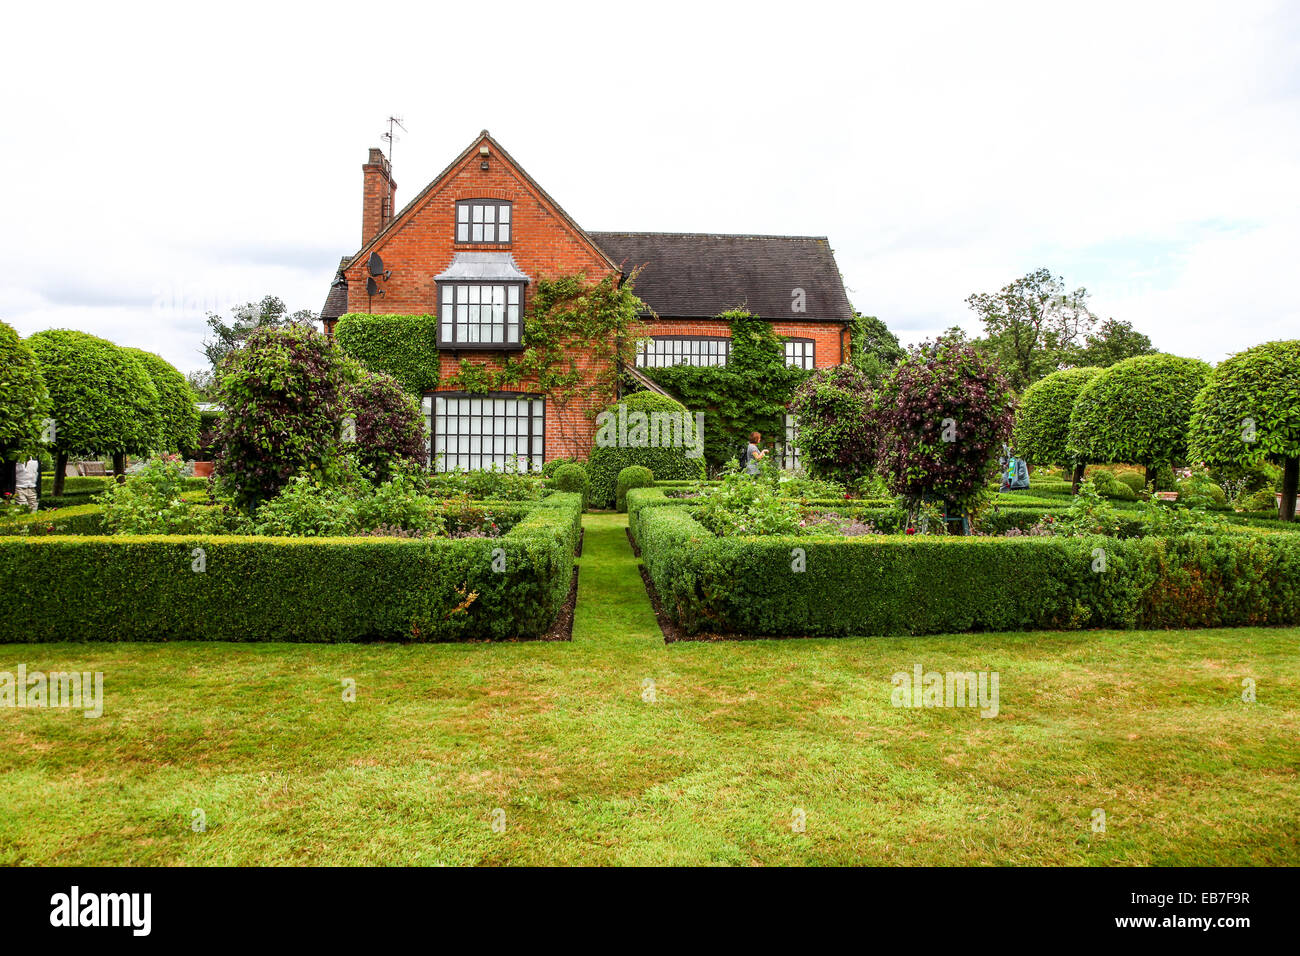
{"x": 161, "y": 161}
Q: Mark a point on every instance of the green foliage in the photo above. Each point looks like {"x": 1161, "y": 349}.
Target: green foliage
{"x": 101, "y": 399}
{"x": 869, "y": 584}
{"x": 487, "y": 484}
{"x": 270, "y": 312}
{"x": 747, "y": 504}
{"x": 837, "y": 423}
{"x": 1137, "y": 411}
{"x": 572, "y": 477}
{"x": 389, "y": 424}
{"x": 748, "y": 394}
{"x": 178, "y": 417}
{"x": 549, "y": 468}
{"x": 1250, "y": 408}
{"x": 1041, "y": 432}
{"x": 607, "y": 460}
{"x": 874, "y": 350}
{"x": 75, "y": 519}
{"x": 1113, "y": 342}
{"x": 404, "y": 346}
{"x": 633, "y": 476}
{"x": 282, "y": 391}
{"x": 130, "y": 588}
{"x": 24, "y": 401}
{"x": 150, "y": 502}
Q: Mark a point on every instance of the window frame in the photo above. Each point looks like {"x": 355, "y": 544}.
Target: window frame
{"x": 791, "y": 459}
{"x": 443, "y": 324}
{"x": 668, "y": 337}
{"x": 431, "y": 419}
{"x": 497, "y": 205}
{"x": 811, "y": 350}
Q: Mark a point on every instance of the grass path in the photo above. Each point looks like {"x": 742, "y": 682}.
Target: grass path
{"x": 613, "y": 606}
{"x": 738, "y": 740}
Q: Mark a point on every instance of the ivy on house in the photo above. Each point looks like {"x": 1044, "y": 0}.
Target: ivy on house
{"x": 748, "y": 394}
{"x": 404, "y": 346}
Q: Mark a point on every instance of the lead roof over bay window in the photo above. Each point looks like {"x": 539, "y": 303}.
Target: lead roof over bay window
{"x": 481, "y": 302}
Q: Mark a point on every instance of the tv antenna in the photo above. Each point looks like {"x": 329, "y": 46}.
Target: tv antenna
{"x": 393, "y": 122}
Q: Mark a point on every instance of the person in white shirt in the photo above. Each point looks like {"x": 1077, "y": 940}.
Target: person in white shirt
{"x": 27, "y": 474}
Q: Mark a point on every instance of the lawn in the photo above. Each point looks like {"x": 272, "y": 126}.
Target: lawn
{"x": 1148, "y": 726}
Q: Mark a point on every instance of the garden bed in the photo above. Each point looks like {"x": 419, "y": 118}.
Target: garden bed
{"x": 151, "y": 588}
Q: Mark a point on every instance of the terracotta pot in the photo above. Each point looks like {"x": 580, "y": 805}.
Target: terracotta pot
{"x": 202, "y": 469}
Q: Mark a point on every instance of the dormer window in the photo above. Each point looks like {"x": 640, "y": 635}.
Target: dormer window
{"x": 483, "y": 220}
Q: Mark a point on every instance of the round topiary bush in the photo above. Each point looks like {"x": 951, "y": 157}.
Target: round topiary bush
{"x": 178, "y": 415}
{"x": 1117, "y": 489}
{"x": 282, "y": 391}
{"x": 1042, "y": 429}
{"x": 388, "y": 422}
{"x": 1138, "y": 411}
{"x": 1133, "y": 479}
{"x": 571, "y": 476}
{"x": 836, "y": 423}
{"x": 943, "y": 414}
{"x": 101, "y": 399}
{"x": 633, "y": 476}
{"x": 641, "y": 430}
{"x": 1247, "y": 414}
{"x": 24, "y": 401}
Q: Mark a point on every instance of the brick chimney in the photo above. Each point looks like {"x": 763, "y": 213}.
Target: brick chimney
{"x": 379, "y": 193}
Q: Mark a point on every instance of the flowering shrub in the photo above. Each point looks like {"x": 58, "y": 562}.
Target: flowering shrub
{"x": 943, "y": 415}
{"x": 837, "y": 428}
{"x": 743, "y": 504}
{"x": 389, "y": 426}
{"x": 150, "y": 502}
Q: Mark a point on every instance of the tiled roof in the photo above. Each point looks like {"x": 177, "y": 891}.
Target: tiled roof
{"x": 336, "y": 303}
{"x": 698, "y": 275}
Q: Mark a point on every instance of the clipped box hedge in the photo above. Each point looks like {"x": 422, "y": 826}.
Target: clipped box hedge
{"x": 927, "y": 585}
{"x": 144, "y": 588}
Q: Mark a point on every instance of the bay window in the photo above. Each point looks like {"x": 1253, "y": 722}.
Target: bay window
{"x": 501, "y": 430}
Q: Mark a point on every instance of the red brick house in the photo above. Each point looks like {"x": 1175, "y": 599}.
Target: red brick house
{"x": 470, "y": 247}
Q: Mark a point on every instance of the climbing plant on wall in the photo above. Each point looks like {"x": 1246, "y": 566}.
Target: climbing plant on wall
{"x": 404, "y": 346}
{"x": 747, "y": 394}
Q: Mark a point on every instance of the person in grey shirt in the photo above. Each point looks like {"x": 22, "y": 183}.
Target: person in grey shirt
{"x": 753, "y": 454}
{"x": 27, "y": 474}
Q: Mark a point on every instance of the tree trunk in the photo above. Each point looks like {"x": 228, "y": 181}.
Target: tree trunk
{"x": 1290, "y": 474}
{"x": 60, "y": 472}
{"x": 1078, "y": 477}
{"x": 119, "y": 466}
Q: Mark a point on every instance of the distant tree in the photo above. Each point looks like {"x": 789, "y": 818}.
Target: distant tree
{"x": 1031, "y": 324}
{"x": 244, "y": 319}
{"x": 873, "y": 348}
{"x": 1137, "y": 411}
{"x": 1248, "y": 413}
{"x": 1042, "y": 431}
{"x": 102, "y": 400}
{"x": 1113, "y": 342}
{"x": 203, "y": 382}
{"x": 177, "y": 414}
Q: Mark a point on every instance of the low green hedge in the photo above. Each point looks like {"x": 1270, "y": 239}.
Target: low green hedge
{"x": 927, "y": 585}
{"x": 143, "y": 588}
{"x": 77, "y": 519}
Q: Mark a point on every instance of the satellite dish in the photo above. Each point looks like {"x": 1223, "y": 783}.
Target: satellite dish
{"x": 376, "y": 264}
{"x": 372, "y": 287}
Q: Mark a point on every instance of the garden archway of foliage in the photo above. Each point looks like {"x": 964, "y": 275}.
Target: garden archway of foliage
{"x": 1042, "y": 429}
{"x": 24, "y": 400}
{"x": 1250, "y": 410}
{"x": 942, "y": 416}
{"x": 101, "y": 399}
{"x": 748, "y": 394}
{"x": 1137, "y": 411}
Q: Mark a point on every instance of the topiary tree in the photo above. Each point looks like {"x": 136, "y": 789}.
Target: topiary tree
{"x": 282, "y": 391}
{"x": 24, "y": 401}
{"x": 1137, "y": 411}
{"x": 177, "y": 414}
{"x": 571, "y": 476}
{"x": 644, "y": 428}
{"x": 1249, "y": 412}
{"x": 1042, "y": 430}
{"x": 942, "y": 417}
{"x": 633, "y": 476}
{"x": 101, "y": 399}
{"x": 389, "y": 425}
{"x": 404, "y": 346}
{"x": 836, "y": 423}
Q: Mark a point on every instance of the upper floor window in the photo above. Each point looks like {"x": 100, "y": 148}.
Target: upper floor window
{"x": 665, "y": 350}
{"x": 480, "y": 315}
{"x": 483, "y": 220}
{"x": 799, "y": 353}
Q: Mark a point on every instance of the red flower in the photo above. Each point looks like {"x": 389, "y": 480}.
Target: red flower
{"x": 911, "y": 531}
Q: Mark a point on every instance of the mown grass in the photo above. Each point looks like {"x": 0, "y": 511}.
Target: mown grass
{"x": 1148, "y": 726}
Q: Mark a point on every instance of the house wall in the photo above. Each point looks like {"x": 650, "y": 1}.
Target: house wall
{"x": 422, "y": 244}
{"x": 827, "y": 336}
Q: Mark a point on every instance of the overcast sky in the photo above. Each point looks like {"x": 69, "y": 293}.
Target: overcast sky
{"x": 162, "y": 161}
